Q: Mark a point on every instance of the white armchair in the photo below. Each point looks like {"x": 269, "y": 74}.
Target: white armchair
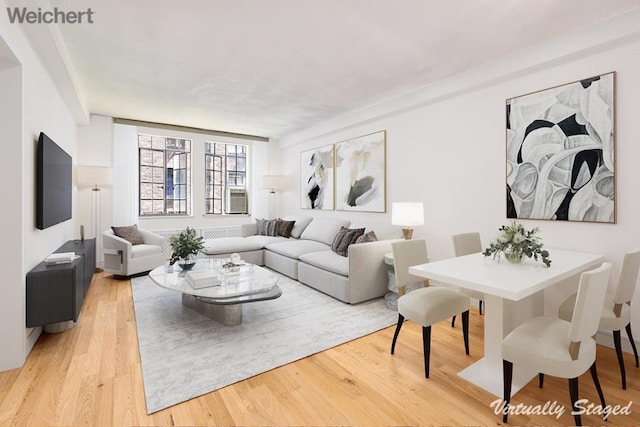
{"x": 121, "y": 258}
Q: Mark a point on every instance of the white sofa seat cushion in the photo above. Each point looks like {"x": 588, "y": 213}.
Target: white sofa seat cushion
{"x": 323, "y": 230}
{"x": 143, "y": 250}
{"x": 225, "y": 245}
{"x": 328, "y": 260}
{"x": 295, "y": 248}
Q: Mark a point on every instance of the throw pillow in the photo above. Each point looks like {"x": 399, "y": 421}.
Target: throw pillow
{"x": 129, "y": 233}
{"x": 285, "y": 227}
{"x": 267, "y": 227}
{"x": 344, "y": 238}
{"x": 367, "y": 237}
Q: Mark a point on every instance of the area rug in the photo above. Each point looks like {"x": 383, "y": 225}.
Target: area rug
{"x": 184, "y": 354}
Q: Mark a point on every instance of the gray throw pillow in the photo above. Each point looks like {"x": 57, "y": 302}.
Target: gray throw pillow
{"x": 367, "y": 237}
{"x": 129, "y": 233}
{"x": 267, "y": 227}
{"x": 344, "y": 238}
{"x": 285, "y": 227}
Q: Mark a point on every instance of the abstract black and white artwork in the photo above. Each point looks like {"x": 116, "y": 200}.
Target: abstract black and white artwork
{"x": 316, "y": 174}
{"x": 361, "y": 173}
{"x": 560, "y": 152}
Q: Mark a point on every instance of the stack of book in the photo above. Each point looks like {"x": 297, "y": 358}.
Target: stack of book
{"x": 60, "y": 258}
{"x": 203, "y": 278}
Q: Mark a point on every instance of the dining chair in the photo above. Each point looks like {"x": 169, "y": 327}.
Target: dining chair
{"x": 466, "y": 244}
{"x": 549, "y": 345}
{"x": 616, "y": 313}
{"x": 427, "y": 305}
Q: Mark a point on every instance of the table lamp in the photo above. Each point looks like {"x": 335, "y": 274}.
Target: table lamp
{"x": 407, "y": 215}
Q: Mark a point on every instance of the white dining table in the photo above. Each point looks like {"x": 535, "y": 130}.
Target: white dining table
{"x": 513, "y": 293}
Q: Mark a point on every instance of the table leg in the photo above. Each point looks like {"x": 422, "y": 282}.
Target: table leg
{"x": 228, "y": 314}
{"x": 500, "y": 318}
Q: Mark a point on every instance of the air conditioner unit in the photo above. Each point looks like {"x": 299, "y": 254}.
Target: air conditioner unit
{"x": 237, "y": 201}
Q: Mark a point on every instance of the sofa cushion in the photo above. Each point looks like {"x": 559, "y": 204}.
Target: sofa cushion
{"x": 267, "y": 227}
{"x": 295, "y": 248}
{"x": 323, "y": 230}
{"x": 301, "y": 222}
{"x": 129, "y": 233}
{"x": 285, "y": 227}
{"x": 227, "y": 245}
{"x": 142, "y": 250}
{"x": 327, "y": 260}
{"x": 344, "y": 238}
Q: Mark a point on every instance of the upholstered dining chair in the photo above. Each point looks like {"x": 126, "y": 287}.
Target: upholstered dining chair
{"x": 549, "y": 345}
{"x": 465, "y": 244}
{"x": 616, "y": 313}
{"x": 427, "y": 305}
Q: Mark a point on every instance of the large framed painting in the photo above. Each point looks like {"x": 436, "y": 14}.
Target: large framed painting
{"x": 316, "y": 175}
{"x": 561, "y": 152}
{"x": 361, "y": 173}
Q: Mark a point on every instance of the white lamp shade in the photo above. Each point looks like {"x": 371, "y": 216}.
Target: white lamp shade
{"x": 94, "y": 176}
{"x": 407, "y": 214}
{"x": 272, "y": 182}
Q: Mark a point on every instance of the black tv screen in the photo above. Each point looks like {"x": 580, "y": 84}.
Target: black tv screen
{"x": 54, "y": 184}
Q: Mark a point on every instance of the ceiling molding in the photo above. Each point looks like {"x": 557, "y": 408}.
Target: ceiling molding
{"x": 167, "y": 126}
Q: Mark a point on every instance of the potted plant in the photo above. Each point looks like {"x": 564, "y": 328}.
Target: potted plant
{"x": 186, "y": 246}
{"x": 515, "y": 242}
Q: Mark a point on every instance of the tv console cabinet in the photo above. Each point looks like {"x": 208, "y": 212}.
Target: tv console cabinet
{"x": 55, "y": 293}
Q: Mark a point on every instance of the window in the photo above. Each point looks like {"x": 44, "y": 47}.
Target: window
{"x": 165, "y": 175}
{"x": 225, "y": 169}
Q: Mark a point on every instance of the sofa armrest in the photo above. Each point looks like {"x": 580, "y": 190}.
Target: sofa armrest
{"x": 248, "y": 229}
{"x": 368, "y": 276}
{"x": 111, "y": 241}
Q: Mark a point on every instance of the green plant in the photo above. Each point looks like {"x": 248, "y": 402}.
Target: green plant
{"x": 515, "y": 242}
{"x": 184, "y": 244}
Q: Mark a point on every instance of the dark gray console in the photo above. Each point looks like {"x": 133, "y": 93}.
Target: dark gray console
{"x": 55, "y": 293}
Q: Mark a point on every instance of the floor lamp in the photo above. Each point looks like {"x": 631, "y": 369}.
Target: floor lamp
{"x": 95, "y": 177}
{"x": 273, "y": 183}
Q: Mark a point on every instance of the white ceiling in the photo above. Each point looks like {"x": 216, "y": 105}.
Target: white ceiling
{"x": 274, "y": 67}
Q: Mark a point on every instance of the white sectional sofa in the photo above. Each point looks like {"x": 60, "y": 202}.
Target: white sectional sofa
{"x": 307, "y": 256}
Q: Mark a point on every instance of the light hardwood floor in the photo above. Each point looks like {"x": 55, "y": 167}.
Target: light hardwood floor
{"x": 90, "y": 375}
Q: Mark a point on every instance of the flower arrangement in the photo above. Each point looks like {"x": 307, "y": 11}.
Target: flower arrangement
{"x": 515, "y": 242}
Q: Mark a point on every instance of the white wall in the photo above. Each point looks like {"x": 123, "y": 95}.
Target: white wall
{"x": 446, "y": 147}
{"x": 35, "y": 105}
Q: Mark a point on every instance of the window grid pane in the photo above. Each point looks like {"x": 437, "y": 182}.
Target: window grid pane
{"x": 225, "y": 166}
{"x": 164, "y": 175}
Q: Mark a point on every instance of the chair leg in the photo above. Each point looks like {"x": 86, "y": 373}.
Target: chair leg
{"x": 465, "y": 330}
{"x": 395, "y": 334}
{"x": 540, "y": 379}
{"x": 633, "y": 343}
{"x": 507, "y": 376}
{"x": 426, "y": 348}
{"x": 573, "y": 393}
{"x": 480, "y": 303}
{"x": 453, "y": 322}
{"x": 618, "y": 345}
{"x": 596, "y": 382}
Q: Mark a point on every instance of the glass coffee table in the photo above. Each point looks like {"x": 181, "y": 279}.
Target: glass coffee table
{"x": 223, "y": 300}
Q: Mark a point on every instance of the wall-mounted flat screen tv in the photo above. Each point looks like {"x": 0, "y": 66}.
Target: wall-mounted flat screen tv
{"x": 54, "y": 184}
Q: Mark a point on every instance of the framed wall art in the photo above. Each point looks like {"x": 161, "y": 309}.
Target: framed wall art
{"x": 316, "y": 176}
{"x": 561, "y": 152}
{"x": 361, "y": 173}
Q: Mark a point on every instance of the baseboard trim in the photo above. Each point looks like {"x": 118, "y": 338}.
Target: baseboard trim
{"x": 606, "y": 338}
